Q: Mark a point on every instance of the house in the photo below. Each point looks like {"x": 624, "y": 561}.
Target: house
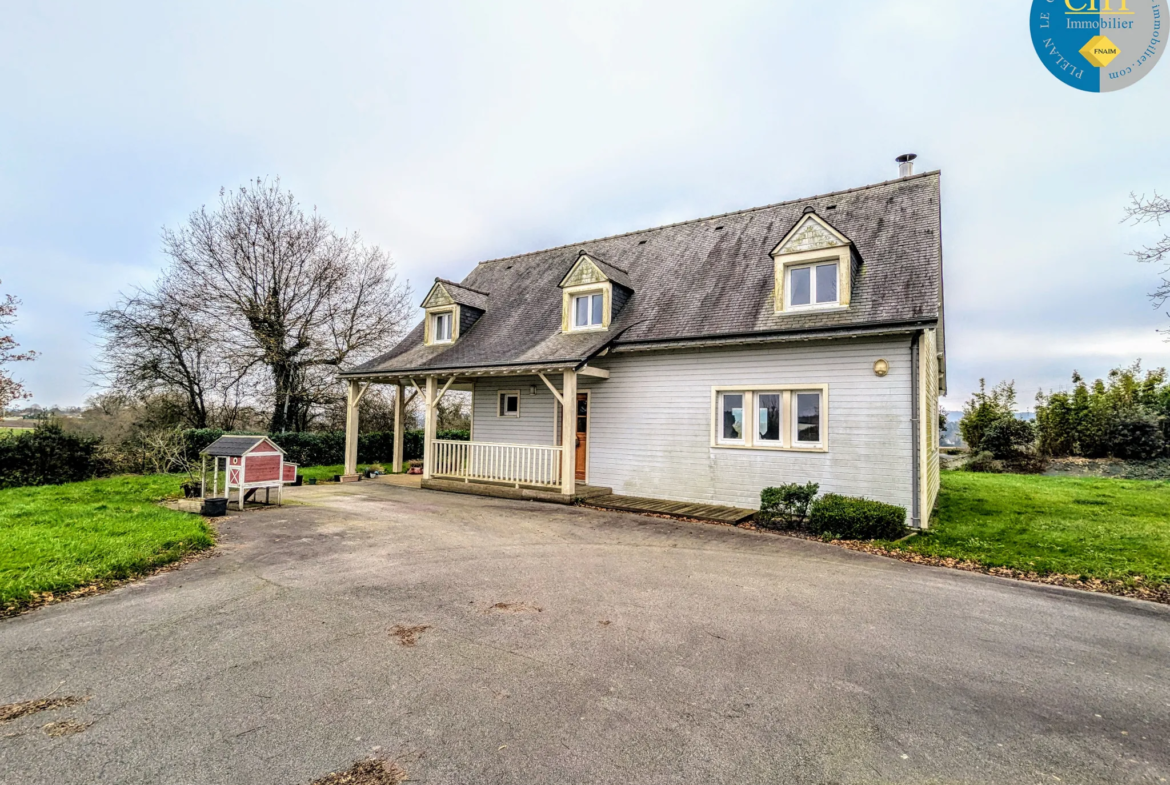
{"x": 700, "y": 361}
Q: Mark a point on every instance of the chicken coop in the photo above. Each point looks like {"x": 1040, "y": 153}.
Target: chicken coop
{"x": 246, "y": 464}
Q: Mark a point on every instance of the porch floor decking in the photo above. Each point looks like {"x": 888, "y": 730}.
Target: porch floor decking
{"x": 705, "y": 512}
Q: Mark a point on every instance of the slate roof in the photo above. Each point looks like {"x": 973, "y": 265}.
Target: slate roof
{"x": 464, "y": 295}
{"x": 232, "y": 446}
{"x": 706, "y": 278}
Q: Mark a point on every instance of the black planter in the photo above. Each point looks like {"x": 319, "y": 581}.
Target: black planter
{"x": 214, "y": 507}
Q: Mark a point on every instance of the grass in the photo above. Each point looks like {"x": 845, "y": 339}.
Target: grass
{"x": 59, "y": 538}
{"x": 1094, "y": 528}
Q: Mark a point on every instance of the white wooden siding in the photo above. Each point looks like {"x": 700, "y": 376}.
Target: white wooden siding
{"x": 535, "y": 423}
{"x": 651, "y": 422}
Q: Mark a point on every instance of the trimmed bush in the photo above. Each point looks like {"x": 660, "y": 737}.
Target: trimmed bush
{"x": 48, "y": 456}
{"x": 852, "y": 518}
{"x": 786, "y": 506}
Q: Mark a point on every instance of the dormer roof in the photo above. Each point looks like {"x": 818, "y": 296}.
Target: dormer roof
{"x": 589, "y": 268}
{"x": 706, "y": 281}
{"x": 811, "y": 233}
{"x": 445, "y": 292}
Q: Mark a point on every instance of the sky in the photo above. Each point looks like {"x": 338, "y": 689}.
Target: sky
{"x": 450, "y": 133}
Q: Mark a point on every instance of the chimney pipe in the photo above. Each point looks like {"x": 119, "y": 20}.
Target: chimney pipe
{"x": 906, "y": 164}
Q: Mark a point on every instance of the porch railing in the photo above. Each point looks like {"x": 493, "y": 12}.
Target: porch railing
{"x": 519, "y": 464}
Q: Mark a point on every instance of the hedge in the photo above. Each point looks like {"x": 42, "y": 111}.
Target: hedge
{"x": 852, "y": 518}
{"x": 325, "y": 448}
{"x": 47, "y": 456}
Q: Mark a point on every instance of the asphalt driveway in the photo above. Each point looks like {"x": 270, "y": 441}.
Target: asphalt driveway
{"x": 626, "y": 649}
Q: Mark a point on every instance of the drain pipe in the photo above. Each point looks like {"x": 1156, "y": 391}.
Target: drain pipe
{"x": 915, "y": 431}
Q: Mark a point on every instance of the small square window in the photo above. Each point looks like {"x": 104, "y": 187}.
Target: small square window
{"x": 806, "y": 418}
{"x": 588, "y": 310}
{"x": 509, "y": 404}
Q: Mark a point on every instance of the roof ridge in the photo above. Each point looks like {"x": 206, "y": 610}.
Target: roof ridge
{"x": 462, "y": 286}
{"x": 710, "y": 218}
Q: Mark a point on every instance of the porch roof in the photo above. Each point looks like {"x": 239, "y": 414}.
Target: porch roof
{"x": 468, "y": 371}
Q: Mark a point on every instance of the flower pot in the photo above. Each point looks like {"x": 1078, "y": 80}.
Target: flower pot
{"x": 312, "y": 481}
{"x": 214, "y": 507}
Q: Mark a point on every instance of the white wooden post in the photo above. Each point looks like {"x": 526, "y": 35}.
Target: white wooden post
{"x": 351, "y": 427}
{"x": 429, "y": 426}
{"x": 399, "y": 414}
{"x": 569, "y": 435}
{"x": 203, "y": 479}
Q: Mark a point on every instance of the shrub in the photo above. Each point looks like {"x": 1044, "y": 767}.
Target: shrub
{"x": 786, "y": 506}
{"x": 1008, "y": 439}
{"x": 856, "y": 519}
{"x": 48, "y": 456}
{"x": 1136, "y": 435}
{"x": 984, "y": 409}
{"x": 983, "y": 462}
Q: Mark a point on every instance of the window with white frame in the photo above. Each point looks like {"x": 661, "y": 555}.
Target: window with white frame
{"x": 588, "y": 310}
{"x": 787, "y": 417}
{"x": 806, "y": 418}
{"x": 509, "y": 404}
{"x": 812, "y": 285}
{"x": 769, "y": 429}
{"x": 441, "y": 327}
{"x": 731, "y": 418}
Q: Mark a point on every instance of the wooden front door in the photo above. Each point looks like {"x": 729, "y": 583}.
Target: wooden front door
{"x": 582, "y": 434}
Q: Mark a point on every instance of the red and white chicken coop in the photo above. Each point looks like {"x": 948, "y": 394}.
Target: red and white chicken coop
{"x": 249, "y": 463}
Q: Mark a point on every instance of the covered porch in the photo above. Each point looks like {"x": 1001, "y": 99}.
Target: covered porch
{"x": 495, "y": 466}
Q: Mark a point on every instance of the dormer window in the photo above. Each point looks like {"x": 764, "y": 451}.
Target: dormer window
{"x": 812, "y": 285}
{"x": 451, "y": 310}
{"x": 588, "y": 310}
{"x": 593, "y": 292}
{"x": 814, "y": 267}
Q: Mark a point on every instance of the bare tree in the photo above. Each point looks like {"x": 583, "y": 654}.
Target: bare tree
{"x": 1142, "y": 210}
{"x": 10, "y": 389}
{"x": 286, "y": 291}
{"x": 155, "y": 343}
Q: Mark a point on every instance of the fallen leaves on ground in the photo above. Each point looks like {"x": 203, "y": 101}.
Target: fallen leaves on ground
{"x": 1135, "y": 587}
{"x": 514, "y": 607}
{"x": 408, "y": 636}
{"x": 371, "y": 771}
{"x": 64, "y": 728}
{"x": 13, "y": 710}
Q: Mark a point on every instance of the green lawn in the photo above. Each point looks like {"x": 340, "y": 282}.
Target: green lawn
{"x": 1087, "y": 526}
{"x": 56, "y": 538}
{"x": 326, "y": 473}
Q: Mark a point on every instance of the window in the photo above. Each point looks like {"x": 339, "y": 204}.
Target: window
{"x": 806, "y": 417}
{"x": 812, "y": 285}
{"x": 587, "y": 310}
{"x": 731, "y": 425}
{"x": 441, "y": 328}
{"x": 768, "y": 417}
{"x": 780, "y": 417}
{"x": 509, "y": 404}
